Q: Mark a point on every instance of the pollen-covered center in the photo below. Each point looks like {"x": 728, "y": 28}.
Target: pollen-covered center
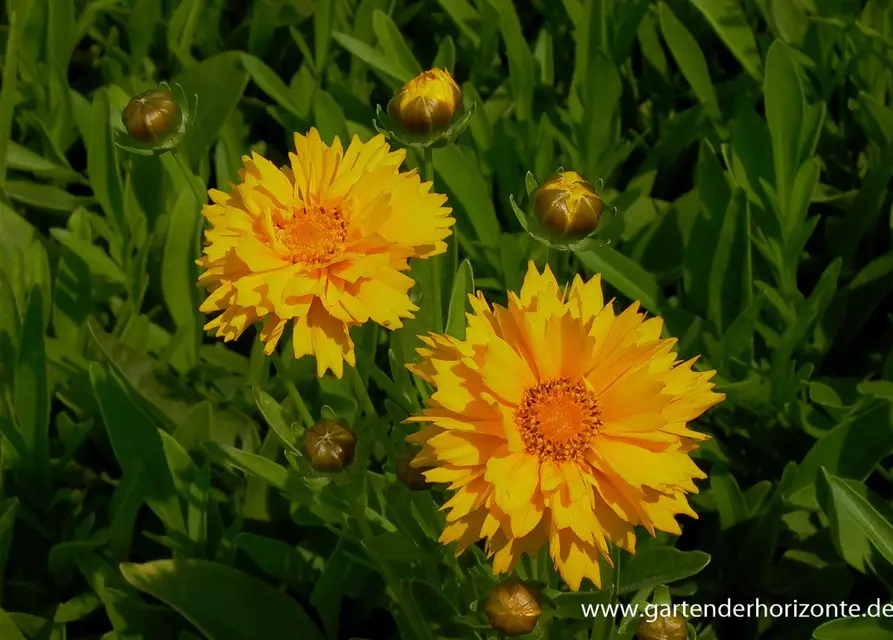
{"x": 557, "y": 419}
{"x": 312, "y": 233}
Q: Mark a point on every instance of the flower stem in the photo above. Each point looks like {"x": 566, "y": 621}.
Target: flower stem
{"x": 292, "y": 390}
{"x": 412, "y": 613}
{"x": 436, "y": 299}
{"x": 359, "y": 387}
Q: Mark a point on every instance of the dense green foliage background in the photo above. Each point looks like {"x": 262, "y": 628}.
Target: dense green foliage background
{"x": 748, "y": 147}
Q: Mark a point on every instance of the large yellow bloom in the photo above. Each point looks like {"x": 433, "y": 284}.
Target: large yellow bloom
{"x": 323, "y": 243}
{"x": 557, "y": 420}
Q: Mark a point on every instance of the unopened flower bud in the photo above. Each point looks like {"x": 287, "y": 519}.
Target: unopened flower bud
{"x": 513, "y": 608}
{"x": 568, "y": 206}
{"x": 427, "y": 103}
{"x": 152, "y": 116}
{"x": 412, "y": 477}
{"x": 663, "y": 628}
{"x": 329, "y": 445}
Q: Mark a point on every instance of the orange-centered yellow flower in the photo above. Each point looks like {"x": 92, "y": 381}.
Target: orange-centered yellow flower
{"x": 322, "y": 243}
{"x": 557, "y": 420}
{"x": 427, "y": 103}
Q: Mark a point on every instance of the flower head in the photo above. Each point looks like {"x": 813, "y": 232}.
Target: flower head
{"x": 664, "y": 627}
{"x": 427, "y": 103}
{"x": 559, "y": 421}
{"x": 153, "y": 115}
{"x": 513, "y": 608}
{"x": 155, "y": 121}
{"x": 322, "y": 244}
{"x": 329, "y": 445}
{"x": 568, "y": 206}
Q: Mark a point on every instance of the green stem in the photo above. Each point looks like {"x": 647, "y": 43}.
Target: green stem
{"x": 413, "y": 615}
{"x": 356, "y": 380}
{"x": 436, "y": 299}
{"x": 292, "y": 391}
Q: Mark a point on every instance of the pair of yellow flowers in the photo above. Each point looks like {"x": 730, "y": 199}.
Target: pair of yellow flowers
{"x": 556, "y": 419}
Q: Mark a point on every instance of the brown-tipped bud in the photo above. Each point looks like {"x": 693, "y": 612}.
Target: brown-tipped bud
{"x": 152, "y": 116}
{"x": 671, "y": 627}
{"x": 329, "y": 445}
{"x": 513, "y": 608}
{"x": 427, "y": 103}
{"x": 412, "y": 477}
{"x": 568, "y": 206}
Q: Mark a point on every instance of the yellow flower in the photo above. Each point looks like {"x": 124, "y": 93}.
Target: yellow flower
{"x": 557, "y": 420}
{"x": 323, "y": 243}
{"x": 568, "y": 206}
{"x": 427, "y": 103}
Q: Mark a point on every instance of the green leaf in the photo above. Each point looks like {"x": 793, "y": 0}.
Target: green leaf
{"x": 375, "y": 59}
{"x": 219, "y": 83}
{"x": 8, "y": 509}
{"x": 271, "y": 84}
{"x": 785, "y": 107}
{"x": 521, "y": 65}
{"x": 850, "y": 450}
{"x": 849, "y": 511}
{"x": 626, "y": 275}
{"x": 32, "y": 393}
{"x": 660, "y": 565}
{"x": 323, "y": 21}
{"x": 223, "y": 603}
{"x": 102, "y": 164}
{"x": 730, "y": 501}
{"x": 391, "y": 40}
{"x": 8, "y": 629}
{"x": 251, "y": 463}
{"x": 463, "y": 286}
{"x": 329, "y": 118}
{"x": 689, "y": 57}
{"x": 466, "y": 18}
{"x": 138, "y": 447}
{"x": 272, "y": 413}
{"x": 21, "y": 158}
{"x": 43, "y": 196}
{"x": 278, "y": 559}
{"x": 98, "y": 261}
{"x": 873, "y": 628}
{"x": 457, "y": 168}
{"x": 730, "y": 24}
{"x": 178, "y": 274}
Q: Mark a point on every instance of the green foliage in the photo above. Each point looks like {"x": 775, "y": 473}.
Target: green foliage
{"x": 151, "y": 481}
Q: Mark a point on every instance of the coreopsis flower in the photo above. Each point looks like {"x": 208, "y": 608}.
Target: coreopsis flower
{"x": 322, "y": 244}
{"x": 329, "y": 445}
{"x": 568, "y": 206}
{"x": 155, "y": 121}
{"x": 559, "y": 421}
{"x": 427, "y": 103}
{"x": 663, "y": 627}
{"x": 565, "y": 211}
{"x": 513, "y": 608}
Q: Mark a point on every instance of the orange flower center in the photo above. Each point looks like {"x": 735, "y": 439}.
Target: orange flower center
{"x": 313, "y": 234}
{"x": 557, "y": 419}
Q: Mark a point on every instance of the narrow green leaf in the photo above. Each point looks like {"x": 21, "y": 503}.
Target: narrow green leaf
{"x": 626, "y": 275}
{"x": 785, "y": 107}
{"x": 689, "y": 57}
{"x": 874, "y": 628}
{"x": 847, "y": 509}
{"x": 179, "y": 274}
{"x": 100, "y": 264}
{"x": 375, "y": 59}
{"x": 219, "y": 83}
{"x": 272, "y": 84}
{"x": 32, "y": 393}
{"x": 8, "y": 629}
{"x": 728, "y": 20}
{"x": 196, "y": 588}
{"x": 272, "y": 413}
{"x": 323, "y": 21}
{"x": 466, "y": 18}
{"x": 463, "y": 286}
{"x": 43, "y": 196}
{"x": 457, "y": 169}
{"x": 392, "y": 41}
{"x": 102, "y": 165}
{"x": 729, "y": 500}
{"x": 138, "y": 447}
{"x": 521, "y": 66}
{"x": 329, "y": 118}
